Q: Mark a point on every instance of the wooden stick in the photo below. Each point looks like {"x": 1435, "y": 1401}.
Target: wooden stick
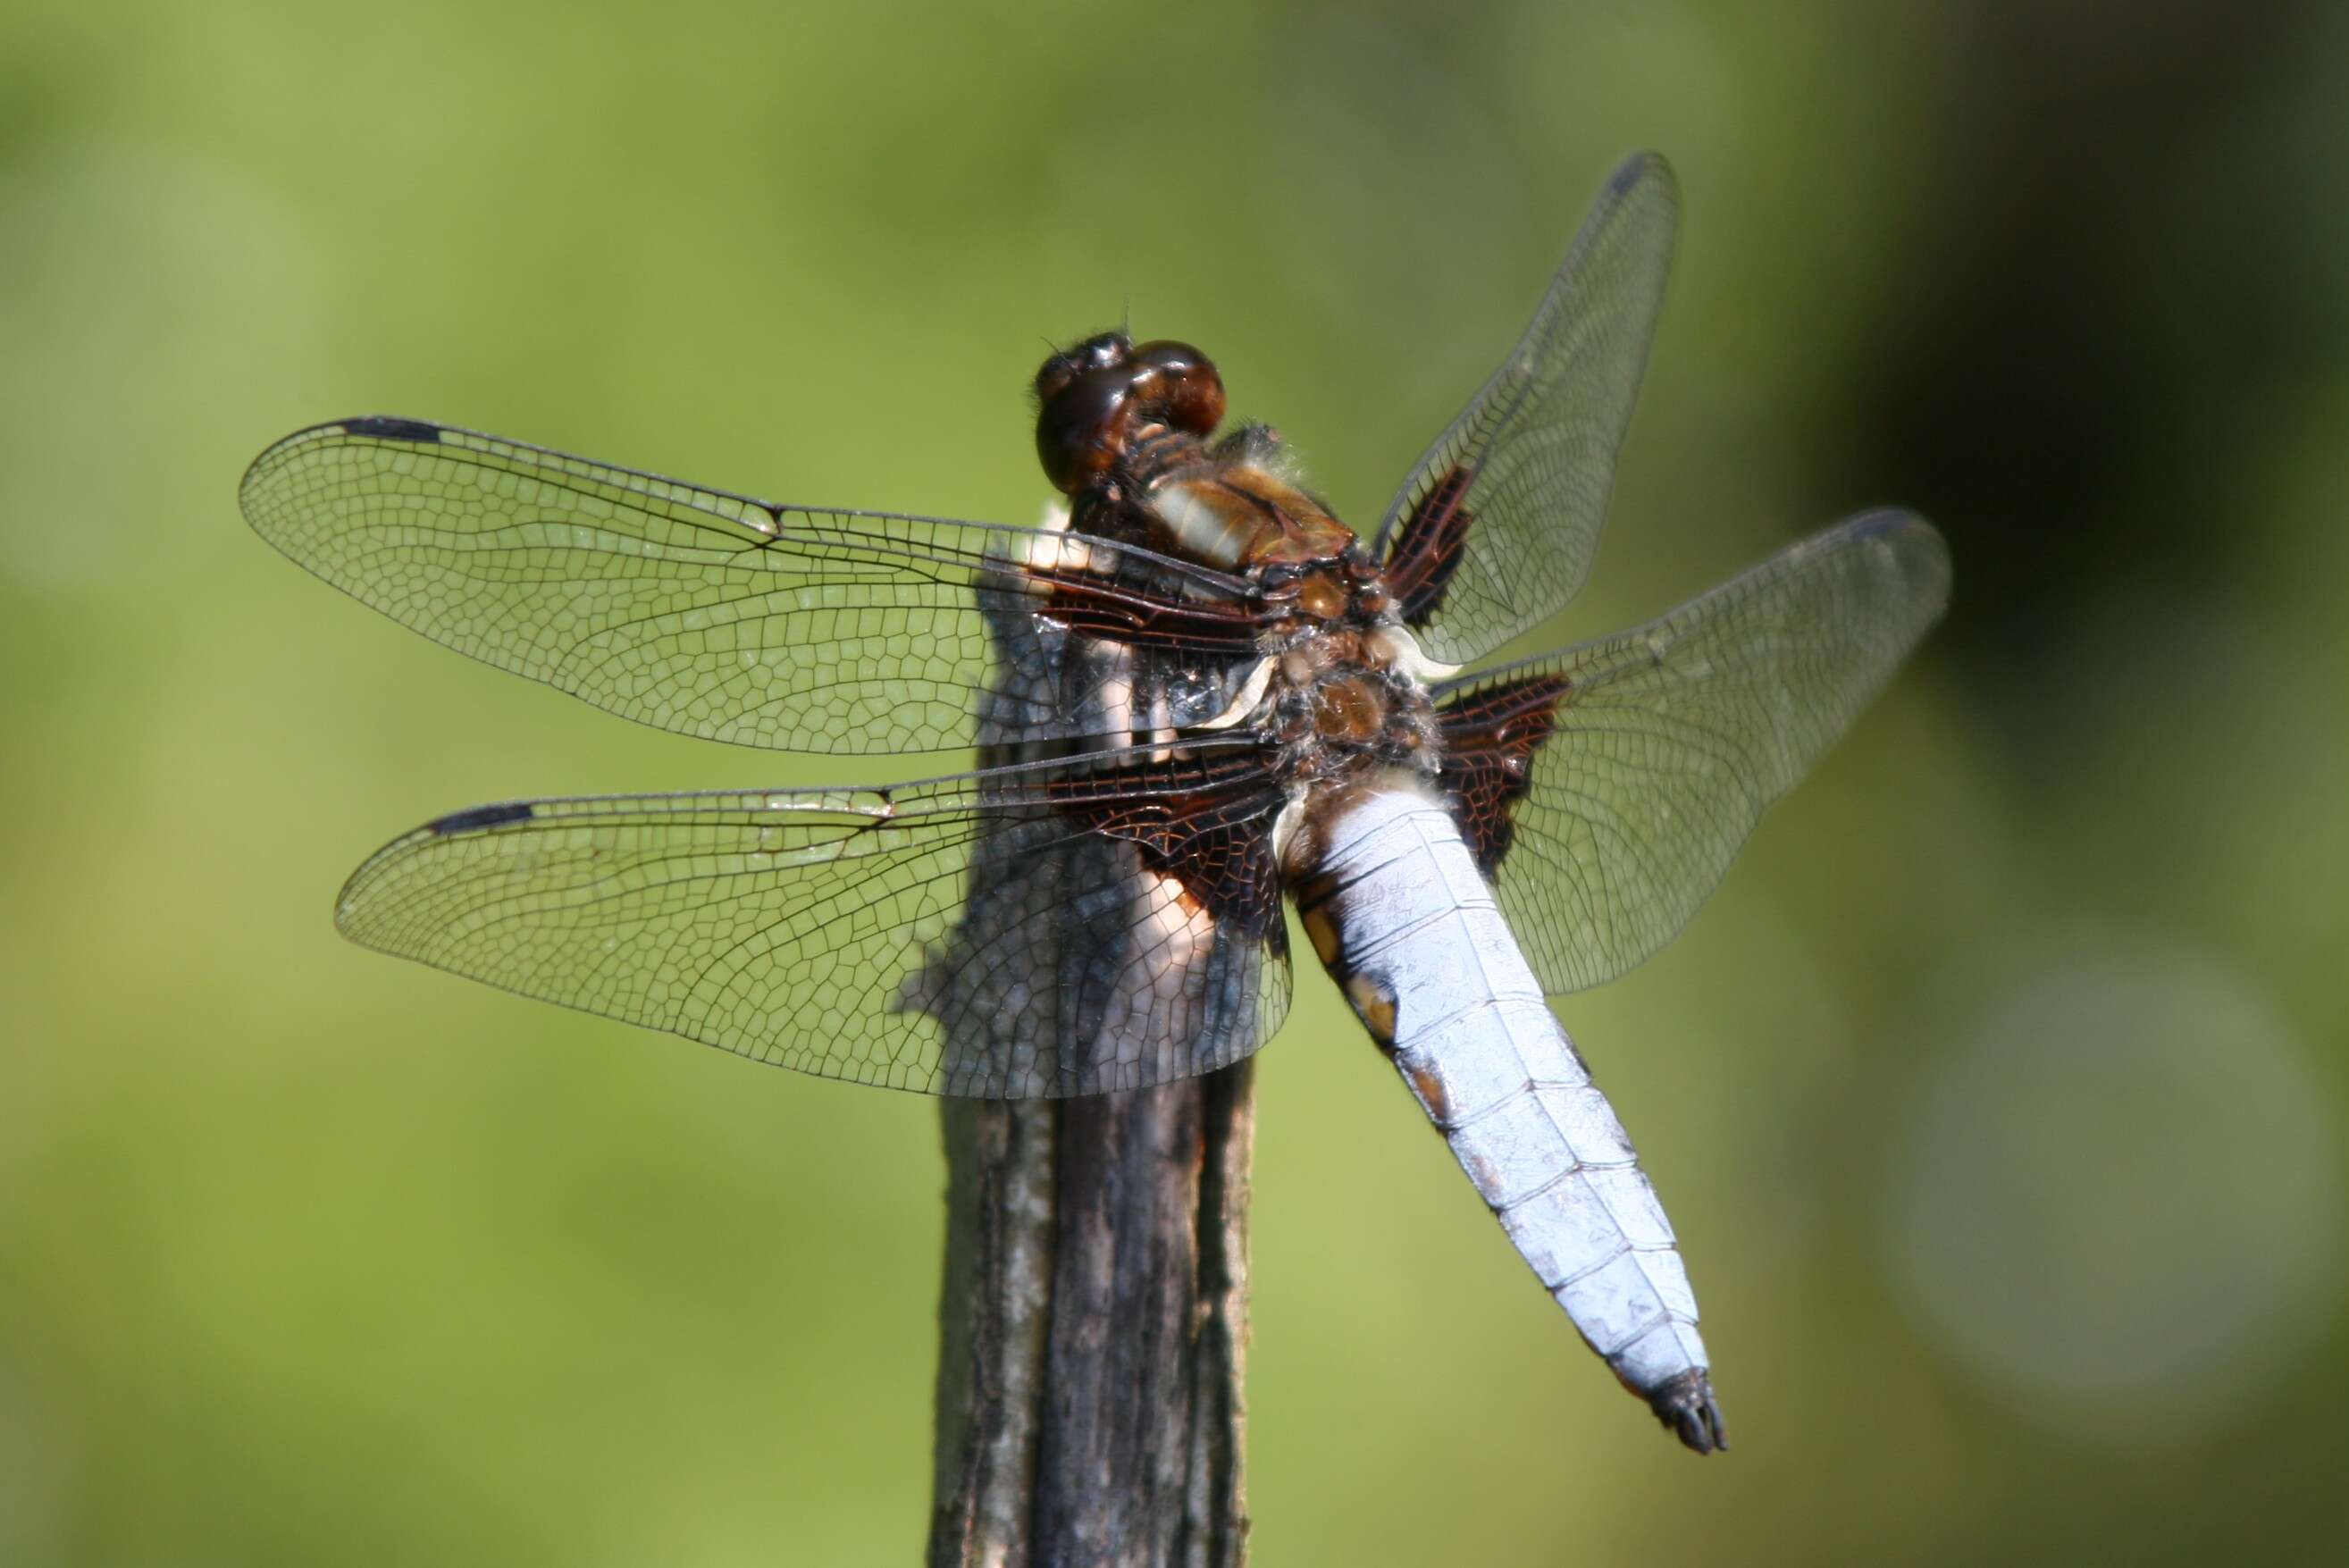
{"x": 1094, "y": 1329}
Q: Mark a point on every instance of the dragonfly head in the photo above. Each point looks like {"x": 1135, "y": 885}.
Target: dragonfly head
{"x": 1092, "y": 397}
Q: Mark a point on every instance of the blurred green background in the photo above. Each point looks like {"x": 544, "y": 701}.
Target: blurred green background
{"x": 1999, "y": 1097}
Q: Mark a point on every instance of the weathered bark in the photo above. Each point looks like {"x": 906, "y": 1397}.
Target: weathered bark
{"x": 1094, "y": 1329}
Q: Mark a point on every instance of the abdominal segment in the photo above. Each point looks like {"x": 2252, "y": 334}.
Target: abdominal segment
{"x": 1408, "y": 926}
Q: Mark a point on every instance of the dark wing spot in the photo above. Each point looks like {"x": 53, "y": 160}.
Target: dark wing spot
{"x": 475, "y": 818}
{"x": 1629, "y": 172}
{"x": 390, "y": 429}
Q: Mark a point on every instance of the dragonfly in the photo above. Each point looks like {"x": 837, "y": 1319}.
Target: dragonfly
{"x": 1198, "y": 696}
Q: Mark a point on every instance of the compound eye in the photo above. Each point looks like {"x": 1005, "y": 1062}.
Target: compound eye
{"x": 1082, "y": 425}
{"x": 1100, "y": 351}
{"x": 1185, "y": 384}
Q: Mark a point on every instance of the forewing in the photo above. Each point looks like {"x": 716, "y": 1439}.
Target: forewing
{"x": 1108, "y": 923}
{"x": 719, "y": 616}
{"x": 1496, "y": 528}
{"x": 1606, "y": 789}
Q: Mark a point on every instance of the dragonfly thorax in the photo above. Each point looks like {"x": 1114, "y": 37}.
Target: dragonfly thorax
{"x": 1345, "y": 700}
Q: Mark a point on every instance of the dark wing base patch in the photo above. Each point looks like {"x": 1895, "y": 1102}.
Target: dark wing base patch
{"x": 1215, "y": 837}
{"x": 1428, "y": 550}
{"x": 1490, "y": 736}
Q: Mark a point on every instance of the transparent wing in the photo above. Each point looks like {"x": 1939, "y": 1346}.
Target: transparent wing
{"x": 1495, "y": 528}
{"x": 1105, "y": 923}
{"x": 719, "y": 616}
{"x": 1607, "y": 788}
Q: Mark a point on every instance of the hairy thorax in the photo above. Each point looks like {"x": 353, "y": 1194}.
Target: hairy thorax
{"x": 1346, "y": 693}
